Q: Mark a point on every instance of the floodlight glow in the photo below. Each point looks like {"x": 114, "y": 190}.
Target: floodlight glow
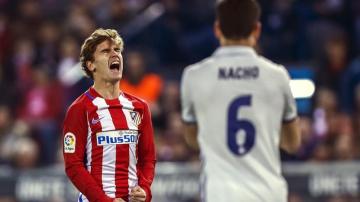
{"x": 302, "y": 88}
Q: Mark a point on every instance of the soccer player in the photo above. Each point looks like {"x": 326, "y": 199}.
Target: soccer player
{"x": 108, "y": 137}
{"x": 239, "y": 108}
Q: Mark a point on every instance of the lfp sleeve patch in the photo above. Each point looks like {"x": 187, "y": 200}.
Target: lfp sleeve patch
{"x": 69, "y": 143}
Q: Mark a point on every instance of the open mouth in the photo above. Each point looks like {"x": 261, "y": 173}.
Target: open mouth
{"x": 115, "y": 65}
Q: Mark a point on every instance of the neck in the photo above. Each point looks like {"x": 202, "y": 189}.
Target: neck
{"x": 250, "y": 42}
{"x": 108, "y": 90}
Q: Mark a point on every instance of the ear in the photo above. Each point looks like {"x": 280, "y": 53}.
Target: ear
{"x": 90, "y": 65}
{"x": 217, "y": 30}
{"x": 257, "y": 31}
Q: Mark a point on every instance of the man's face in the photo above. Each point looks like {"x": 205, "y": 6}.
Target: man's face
{"x": 108, "y": 62}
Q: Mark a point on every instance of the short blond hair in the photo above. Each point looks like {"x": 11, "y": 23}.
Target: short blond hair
{"x": 89, "y": 46}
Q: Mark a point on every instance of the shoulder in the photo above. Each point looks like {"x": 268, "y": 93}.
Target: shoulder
{"x": 197, "y": 68}
{"x": 273, "y": 67}
{"x": 270, "y": 64}
{"x": 78, "y": 105}
{"x": 136, "y": 101}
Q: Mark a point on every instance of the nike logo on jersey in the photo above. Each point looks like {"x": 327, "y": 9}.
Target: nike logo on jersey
{"x": 95, "y": 121}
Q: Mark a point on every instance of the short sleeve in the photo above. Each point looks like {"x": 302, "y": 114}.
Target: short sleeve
{"x": 187, "y": 104}
{"x": 290, "y": 110}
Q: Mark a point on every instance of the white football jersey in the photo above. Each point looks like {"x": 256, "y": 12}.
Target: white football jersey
{"x": 239, "y": 101}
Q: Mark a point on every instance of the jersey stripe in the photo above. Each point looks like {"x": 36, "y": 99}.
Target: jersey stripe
{"x": 88, "y": 147}
{"x": 94, "y": 153}
{"x": 132, "y": 171}
{"x": 89, "y": 153}
{"x": 122, "y": 160}
{"x": 138, "y": 105}
{"x": 109, "y": 151}
{"x": 127, "y": 108}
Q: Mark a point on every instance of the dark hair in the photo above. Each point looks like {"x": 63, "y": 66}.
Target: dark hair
{"x": 237, "y": 18}
{"x": 89, "y": 46}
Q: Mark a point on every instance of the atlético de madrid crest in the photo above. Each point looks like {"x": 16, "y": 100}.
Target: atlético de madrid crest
{"x": 135, "y": 117}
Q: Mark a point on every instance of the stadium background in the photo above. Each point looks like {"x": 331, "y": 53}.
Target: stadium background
{"x": 318, "y": 40}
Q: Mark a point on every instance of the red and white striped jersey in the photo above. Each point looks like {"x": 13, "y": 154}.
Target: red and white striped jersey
{"x": 108, "y": 146}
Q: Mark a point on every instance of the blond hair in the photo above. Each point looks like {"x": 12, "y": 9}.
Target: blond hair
{"x": 89, "y": 46}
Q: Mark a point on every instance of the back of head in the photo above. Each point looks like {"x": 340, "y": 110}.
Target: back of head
{"x": 237, "y": 18}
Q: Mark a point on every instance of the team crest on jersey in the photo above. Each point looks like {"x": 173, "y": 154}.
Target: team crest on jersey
{"x": 135, "y": 117}
{"x": 69, "y": 143}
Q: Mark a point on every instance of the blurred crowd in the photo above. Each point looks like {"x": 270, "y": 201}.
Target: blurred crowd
{"x": 40, "y": 75}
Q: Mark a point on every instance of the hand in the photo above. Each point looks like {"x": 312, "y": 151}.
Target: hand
{"x": 118, "y": 200}
{"x": 137, "y": 194}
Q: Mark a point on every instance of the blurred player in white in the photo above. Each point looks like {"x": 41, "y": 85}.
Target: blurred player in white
{"x": 239, "y": 108}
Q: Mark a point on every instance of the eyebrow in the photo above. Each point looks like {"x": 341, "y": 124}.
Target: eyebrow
{"x": 108, "y": 49}
{"x": 105, "y": 50}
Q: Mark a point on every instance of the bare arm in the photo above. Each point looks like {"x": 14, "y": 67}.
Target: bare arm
{"x": 191, "y": 135}
{"x": 290, "y": 136}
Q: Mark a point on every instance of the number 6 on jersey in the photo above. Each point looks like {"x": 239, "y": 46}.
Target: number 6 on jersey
{"x": 240, "y": 132}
